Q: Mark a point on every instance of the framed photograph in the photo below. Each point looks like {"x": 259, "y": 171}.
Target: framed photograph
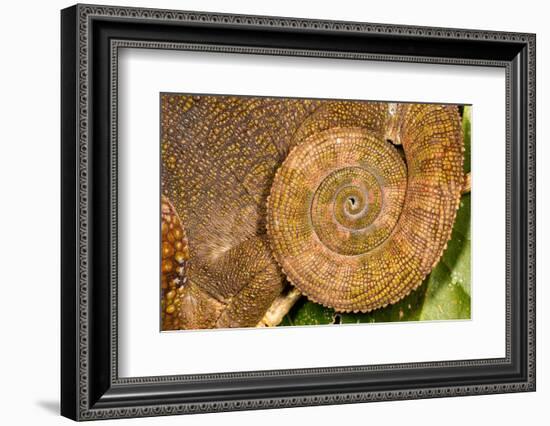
{"x": 263, "y": 212}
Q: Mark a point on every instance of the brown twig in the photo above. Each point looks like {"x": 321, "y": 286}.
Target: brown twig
{"x": 279, "y": 308}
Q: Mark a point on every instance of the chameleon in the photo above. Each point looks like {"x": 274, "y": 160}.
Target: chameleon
{"x": 351, "y": 203}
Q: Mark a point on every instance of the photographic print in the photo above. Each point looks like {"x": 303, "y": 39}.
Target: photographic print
{"x": 302, "y": 212}
{"x": 215, "y": 194}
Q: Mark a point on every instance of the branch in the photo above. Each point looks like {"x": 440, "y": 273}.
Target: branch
{"x": 279, "y": 308}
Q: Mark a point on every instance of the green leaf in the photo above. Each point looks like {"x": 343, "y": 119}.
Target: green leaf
{"x": 309, "y": 313}
{"x": 444, "y": 299}
{"x": 457, "y": 255}
{"x": 444, "y": 294}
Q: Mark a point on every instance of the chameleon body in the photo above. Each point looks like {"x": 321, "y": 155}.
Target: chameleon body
{"x": 316, "y": 193}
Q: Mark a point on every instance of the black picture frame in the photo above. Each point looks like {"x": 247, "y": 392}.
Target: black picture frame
{"x": 90, "y": 38}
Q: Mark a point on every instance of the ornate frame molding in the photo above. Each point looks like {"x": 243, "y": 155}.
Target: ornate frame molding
{"x": 88, "y": 403}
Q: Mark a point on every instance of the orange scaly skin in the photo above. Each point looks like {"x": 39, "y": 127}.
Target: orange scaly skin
{"x": 174, "y": 257}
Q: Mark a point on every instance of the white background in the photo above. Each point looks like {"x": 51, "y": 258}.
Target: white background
{"x": 140, "y": 343}
{"x": 29, "y": 225}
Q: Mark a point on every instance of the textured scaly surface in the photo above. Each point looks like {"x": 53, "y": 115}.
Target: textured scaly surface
{"x": 219, "y": 155}
{"x": 353, "y": 226}
{"x": 353, "y": 223}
